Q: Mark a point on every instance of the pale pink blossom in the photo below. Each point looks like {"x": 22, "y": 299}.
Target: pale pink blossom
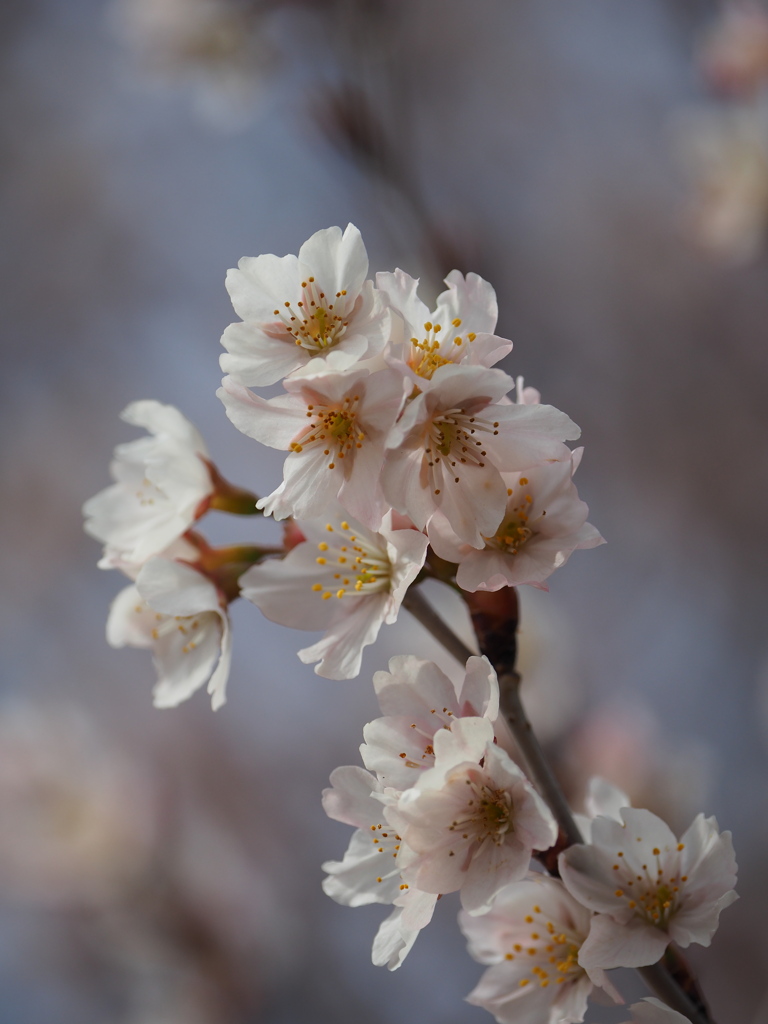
{"x": 734, "y": 52}
{"x": 335, "y": 428}
{"x": 531, "y": 938}
{"x": 418, "y": 699}
{"x": 370, "y": 870}
{"x": 452, "y": 443}
{"x": 314, "y": 312}
{"x": 725, "y": 152}
{"x": 470, "y": 826}
{"x": 344, "y": 579}
{"x": 181, "y": 616}
{"x": 648, "y": 889}
{"x": 544, "y": 522}
{"x": 163, "y": 485}
{"x": 460, "y": 330}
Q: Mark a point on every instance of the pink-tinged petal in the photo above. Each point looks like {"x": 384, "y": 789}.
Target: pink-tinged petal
{"x": 708, "y": 859}
{"x": 217, "y": 684}
{"x": 338, "y": 261}
{"x": 309, "y": 488}
{"x": 176, "y": 589}
{"x": 349, "y": 799}
{"x": 274, "y": 422}
{"x": 479, "y": 694}
{"x": 400, "y": 290}
{"x": 283, "y": 589}
{"x": 493, "y": 867}
{"x": 604, "y": 799}
{"x": 256, "y": 357}
{"x": 699, "y": 923}
{"x": 587, "y": 874}
{"x": 130, "y": 620}
{"x": 261, "y": 284}
{"x": 407, "y": 551}
{"x": 393, "y": 941}
{"x": 472, "y": 498}
{"x": 182, "y": 668}
{"x": 360, "y": 493}
{"x": 364, "y": 876}
{"x": 473, "y": 300}
{"x": 499, "y": 991}
{"x": 340, "y": 652}
{"x": 162, "y": 419}
{"x": 412, "y": 687}
{"x": 405, "y": 486}
{"x": 610, "y": 944}
{"x": 454, "y": 385}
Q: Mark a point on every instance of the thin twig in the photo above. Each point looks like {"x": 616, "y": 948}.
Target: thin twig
{"x": 420, "y": 608}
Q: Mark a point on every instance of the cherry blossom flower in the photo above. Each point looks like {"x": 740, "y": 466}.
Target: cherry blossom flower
{"x": 725, "y": 151}
{"x": 370, "y": 870}
{"x": 460, "y": 330}
{"x": 314, "y": 311}
{"x": 344, "y": 579}
{"x": 470, "y": 827}
{"x": 418, "y": 699}
{"x": 452, "y": 443}
{"x": 651, "y": 1011}
{"x": 180, "y": 614}
{"x": 78, "y": 818}
{"x": 163, "y": 485}
{"x": 543, "y": 523}
{"x": 218, "y": 46}
{"x": 647, "y": 888}
{"x": 335, "y": 427}
{"x": 531, "y": 937}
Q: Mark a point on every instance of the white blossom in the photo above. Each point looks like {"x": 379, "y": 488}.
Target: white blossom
{"x": 418, "y": 699}
{"x": 531, "y": 938}
{"x": 163, "y": 485}
{"x": 335, "y": 427}
{"x": 648, "y": 889}
{"x": 314, "y": 311}
{"x": 460, "y": 330}
{"x": 181, "y": 616}
{"x": 452, "y": 443}
{"x": 470, "y": 826}
{"x": 543, "y": 523}
{"x": 370, "y": 870}
{"x": 344, "y": 579}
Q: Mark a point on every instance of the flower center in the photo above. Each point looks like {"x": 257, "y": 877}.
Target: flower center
{"x": 316, "y": 324}
{"x": 191, "y": 627}
{"x": 452, "y": 443}
{"x": 555, "y": 954}
{"x": 334, "y": 428}
{"x": 362, "y": 567}
{"x": 653, "y": 895}
{"x": 515, "y": 529}
{"x": 434, "y": 351}
{"x": 488, "y": 814}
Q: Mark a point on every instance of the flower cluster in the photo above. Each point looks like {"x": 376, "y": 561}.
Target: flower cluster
{"x": 407, "y": 458}
{"x": 399, "y": 434}
{"x": 725, "y": 146}
{"x": 441, "y": 800}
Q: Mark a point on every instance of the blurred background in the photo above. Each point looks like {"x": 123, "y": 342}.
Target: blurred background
{"x": 605, "y": 166}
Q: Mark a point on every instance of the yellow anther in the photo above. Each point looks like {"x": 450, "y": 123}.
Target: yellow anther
{"x": 509, "y": 956}
{"x": 456, "y": 322}
{"x": 344, "y": 525}
{"x": 656, "y": 851}
{"x": 321, "y": 560}
{"x": 340, "y": 593}
{"x": 317, "y": 586}
{"x": 326, "y": 595}
{"x": 427, "y": 326}
{"x": 296, "y": 447}
{"x": 322, "y": 546}
{"x": 524, "y": 982}
{"x": 681, "y": 846}
{"x": 471, "y": 337}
